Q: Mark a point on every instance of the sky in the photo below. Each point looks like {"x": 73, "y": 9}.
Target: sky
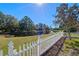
{"x": 39, "y": 13}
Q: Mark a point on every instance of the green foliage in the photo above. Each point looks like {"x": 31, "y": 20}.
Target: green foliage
{"x": 71, "y": 44}
{"x": 27, "y": 25}
{"x": 11, "y": 23}
{"x": 2, "y": 18}
{"x": 67, "y": 17}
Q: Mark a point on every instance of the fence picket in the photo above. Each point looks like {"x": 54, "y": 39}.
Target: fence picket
{"x": 30, "y": 48}
{"x": 1, "y": 52}
{"x": 33, "y": 49}
{"x": 20, "y": 50}
{"x": 23, "y": 49}
{"x": 15, "y": 52}
{"x": 10, "y": 48}
{"x": 27, "y": 47}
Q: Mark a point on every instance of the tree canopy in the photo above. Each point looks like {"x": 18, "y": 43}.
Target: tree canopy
{"x": 67, "y": 16}
{"x": 11, "y": 25}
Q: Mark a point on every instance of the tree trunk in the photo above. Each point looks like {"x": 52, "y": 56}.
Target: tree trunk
{"x": 68, "y": 31}
{"x": 69, "y": 34}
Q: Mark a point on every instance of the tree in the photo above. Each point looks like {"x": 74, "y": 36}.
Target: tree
{"x": 8, "y": 23}
{"x": 43, "y": 28}
{"x": 67, "y": 16}
{"x": 26, "y": 25}
{"x": 2, "y": 19}
{"x": 11, "y": 24}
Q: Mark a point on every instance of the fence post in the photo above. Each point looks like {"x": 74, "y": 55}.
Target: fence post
{"x": 38, "y": 46}
{"x": 10, "y": 48}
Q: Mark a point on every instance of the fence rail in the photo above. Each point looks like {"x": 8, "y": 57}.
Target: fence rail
{"x": 34, "y": 48}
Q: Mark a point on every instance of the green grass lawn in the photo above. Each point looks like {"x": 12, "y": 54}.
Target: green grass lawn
{"x": 17, "y": 41}
{"x": 74, "y": 35}
{"x": 71, "y": 44}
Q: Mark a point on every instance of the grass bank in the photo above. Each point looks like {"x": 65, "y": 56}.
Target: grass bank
{"x": 72, "y": 44}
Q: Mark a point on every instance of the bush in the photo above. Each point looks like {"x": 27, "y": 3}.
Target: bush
{"x": 20, "y": 33}
{"x": 72, "y": 29}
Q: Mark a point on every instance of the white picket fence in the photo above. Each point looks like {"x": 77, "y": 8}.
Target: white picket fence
{"x": 35, "y": 48}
